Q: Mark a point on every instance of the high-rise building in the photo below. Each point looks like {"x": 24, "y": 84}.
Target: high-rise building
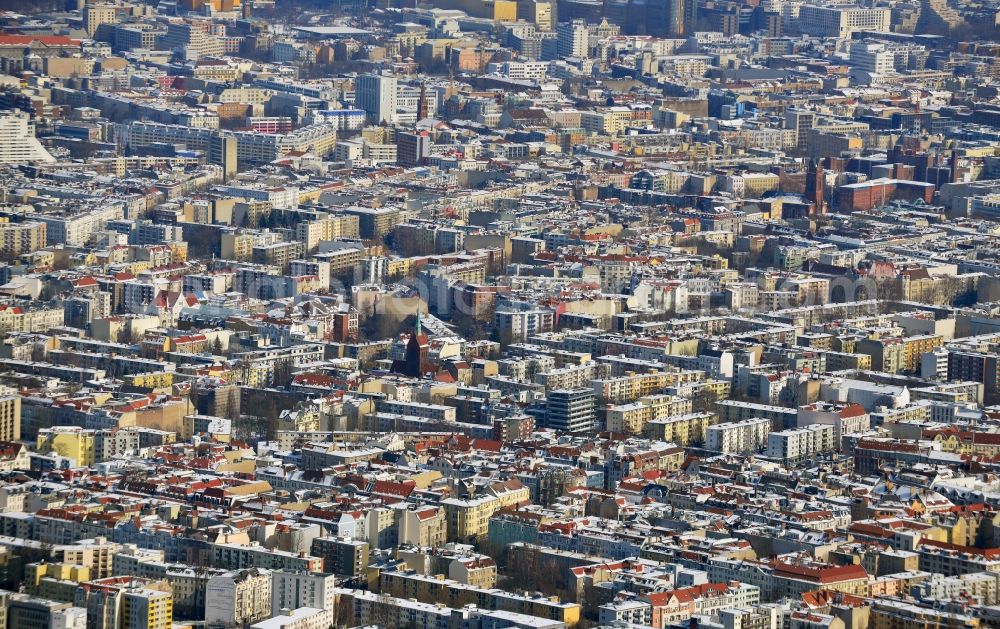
{"x": 975, "y": 366}
{"x": 537, "y": 12}
{"x": 375, "y": 223}
{"x": 724, "y": 17}
{"x": 573, "y": 40}
{"x": 376, "y": 94}
{"x": 10, "y": 418}
{"x": 665, "y": 18}
{"x": 570, "y": 410}
{"x": 292, "y": 590}
{"x": 343, "y": 557}
{"x": 748, "y": 435}
{"x": 95, "y": 14}
{"x": 518, "y": 324}
{"x": 224, "y": 151}
{"x": 18, "y": 144}
{"x": 20, "y": 238}
{"x": 214, "y": 5}
{"x": 193, "y": 39}
{"x": 412, "y": 148}
{"x": 803, "y": 121}
{"x": 874, "y": 58}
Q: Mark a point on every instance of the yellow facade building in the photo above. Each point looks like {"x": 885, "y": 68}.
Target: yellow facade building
{"x": 71, "y": 442}
{"x": 147, "y": 608}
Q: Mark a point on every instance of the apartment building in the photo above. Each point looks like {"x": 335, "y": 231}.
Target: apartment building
{"x": 36, "y": 318}
{"x": 734, "y": 410}
{"x": 889, "y": 613}
{"x": 302, "y": 618}
{"x": 633, "y": 418}
{"x": 796, "y": 444}
{"x": 410, "y": 584}
{"x": 147, "y": 608}
{"x": 572, "y": 376}
{"x": 982, "y": 586}
{"x": 955, "y": 559}
{"x": 684, "y": 430}
{"x": 20, "y": 238}
{"x": 745, "y": 436}
{"x": 239, "y": 596}
{"x": 244, "y": 556}
{"x": 342, "y": 556}
{"x": 18, "y": 144}
{"x": 311, "y": 233}
{"x": 622, "y": 388}
{"x": 418, "y": 409}
{"x": 469, "y": 518}
{"x": 291, "y": 590}
{"x": 846, "y": 419}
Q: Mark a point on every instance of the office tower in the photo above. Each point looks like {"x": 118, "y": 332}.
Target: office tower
{"x": 691, "y": 15}
{"x": 573, "y": 40}
{"x": 96, "y": 14}
{"x": 802, "y": 121}
{"x": 223, "y": 151}
{"x": 570, "y": 410}
{"x": 213, "y": 6}
{"x": 723, "y": 17}
{"x": 193, "y": 39}
{"x": 665, "y": 18}
{"x": 842, "y": 20}
{"x": 376, "y": 94}
{"x": 412, "y": 148}
{"x": 537, "y": 12}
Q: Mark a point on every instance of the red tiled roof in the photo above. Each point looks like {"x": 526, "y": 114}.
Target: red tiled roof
{"x": 27, "y": 40}
{"x": 986, "y": 553}
{"x": 821, "y": 573}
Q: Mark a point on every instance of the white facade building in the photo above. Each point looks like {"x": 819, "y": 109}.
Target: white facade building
{"x": 796, "y": 444}
{"x": 749, "y": 435}
{"x": 238, "y": 597}
{"x": 376, "y": 94}
{"x": 292, "y": 590}
{"x": 18, "y": 144}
